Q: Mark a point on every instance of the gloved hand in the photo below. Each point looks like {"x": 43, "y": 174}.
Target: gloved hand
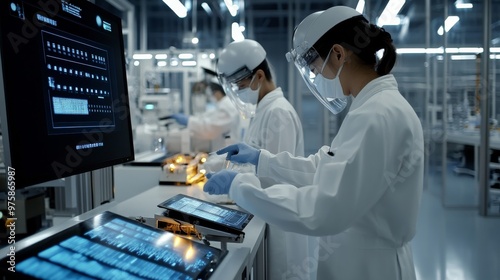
{"x": 241, "y": 153}
{"x": 220, "y": 182}
{"x": 178, "y": 117}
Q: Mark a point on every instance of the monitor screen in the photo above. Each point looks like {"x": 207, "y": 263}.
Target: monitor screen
{"x": 110, "y": 246}
{"x": 200, "y": 212}
{"x": 63, "y": 90}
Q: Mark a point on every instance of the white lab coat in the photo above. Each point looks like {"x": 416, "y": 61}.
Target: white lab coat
{"x": 276, "y": 127}
{"x": 362, "y": 202}
{"x": 214, "y": 125}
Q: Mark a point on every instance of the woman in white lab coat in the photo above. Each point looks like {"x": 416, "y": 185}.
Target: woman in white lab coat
{"x": 361, "y": 194}
{"x": 215, "y": 125}
{"x": 274, "y": 125}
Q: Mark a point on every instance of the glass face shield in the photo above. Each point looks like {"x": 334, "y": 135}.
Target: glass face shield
{"x": 237, "y": 88}
{"x": 310, "y": 65}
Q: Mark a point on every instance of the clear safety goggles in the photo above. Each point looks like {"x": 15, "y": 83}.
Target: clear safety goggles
{"x": 234, "y": 89}
{"x": 309, "y": 63}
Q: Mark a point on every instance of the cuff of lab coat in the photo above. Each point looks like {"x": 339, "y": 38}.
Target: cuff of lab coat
{"x": 262, "y": 169}
{"x": 236, "y": 191}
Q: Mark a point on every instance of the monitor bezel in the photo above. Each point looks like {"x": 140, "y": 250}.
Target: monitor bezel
{"x": 26, "y": 178}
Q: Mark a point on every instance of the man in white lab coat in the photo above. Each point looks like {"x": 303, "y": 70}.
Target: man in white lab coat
{"x": 361, "y": 194}
{"x": 274, "y": 125}
{"x": 215, "y": 125}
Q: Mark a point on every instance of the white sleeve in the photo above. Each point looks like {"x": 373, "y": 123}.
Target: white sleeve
{"x": 210, "y": 125}
{"x": 284, "y": 167}
{"x": 346, "y": 186}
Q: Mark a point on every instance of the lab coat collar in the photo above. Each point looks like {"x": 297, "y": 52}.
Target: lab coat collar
{"x": 386, "y": 82}
{"x": 269, "y": 98}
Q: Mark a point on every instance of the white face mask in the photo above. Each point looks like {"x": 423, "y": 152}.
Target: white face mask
{"x": 329, "y": 89}
{"x": 248, "y": 95}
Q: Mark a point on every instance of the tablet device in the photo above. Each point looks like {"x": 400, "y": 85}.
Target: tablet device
{"x": 110, "y": 246}
{"x": 199, "y": 212}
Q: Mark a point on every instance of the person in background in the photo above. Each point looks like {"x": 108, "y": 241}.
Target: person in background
{"x": 360, "y": 195}
{"x": 274, "y": 125}
{"x": 215, "y": 125}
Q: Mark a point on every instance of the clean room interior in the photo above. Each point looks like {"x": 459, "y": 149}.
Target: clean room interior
{"x": 440, "y": 69}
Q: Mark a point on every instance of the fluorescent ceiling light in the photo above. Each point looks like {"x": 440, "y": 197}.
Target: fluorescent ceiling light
{"x": 136, "y": 63}
{"x": 161, "y": 56}
{"x": 361, "y": 6}
{"x": 410, "y": 50}
{"x": 162, "y": 63}
{"x": 207, "y": 8}
{"x": 471, "y": 50}
{"x": 176, "y": 6}
{"x": 393, "y": 21}
{"x": 434, "y": 50}
{"x": 142, "y": 56}
{"x": 463, "y": 57}
{"x": 174, "y": 62}
{"x": 189, "y": 63}
{"x": 448, "y": 24}
{"x": 195, "y": 40}
{"x": 472, "y": 57}
{"x": 212, "y": 56}
{"x": 233, "y": 9}
{"x": 236, "y": 33}
{"x": 186, "y": 55}
{"x": 391, "y": 11}
{"x": 459, "y": 4}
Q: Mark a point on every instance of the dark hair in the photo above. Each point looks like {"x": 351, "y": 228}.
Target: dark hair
{"x": 364, "y": 39}
{"x": 216, "y": 87}
{"x": 264, "y": 66}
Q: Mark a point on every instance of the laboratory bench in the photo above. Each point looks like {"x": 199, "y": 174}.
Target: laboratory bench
{"x": 245, "y": 260}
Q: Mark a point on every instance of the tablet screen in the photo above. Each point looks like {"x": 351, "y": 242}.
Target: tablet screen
{"x": 191, "y": 208}
{"x": 110, "y": 246}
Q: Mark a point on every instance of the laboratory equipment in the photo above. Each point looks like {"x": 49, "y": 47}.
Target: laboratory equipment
{"x": 183, "y": 169}
{"x": 214, "y": 222}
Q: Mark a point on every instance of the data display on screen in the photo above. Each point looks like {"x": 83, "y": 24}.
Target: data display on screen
{"x": 109, "y": 246}
{"x": 78, "y": 83}
{"x": 192, "y": 210}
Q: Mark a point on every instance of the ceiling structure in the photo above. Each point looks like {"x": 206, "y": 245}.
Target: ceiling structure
{"x": 272, "y": 22}
{"x": 263, "y": 18}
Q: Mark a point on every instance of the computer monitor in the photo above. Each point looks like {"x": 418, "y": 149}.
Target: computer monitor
{"x": 63, "y": 89}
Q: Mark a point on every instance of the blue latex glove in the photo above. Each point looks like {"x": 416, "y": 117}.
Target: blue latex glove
{"x": 220, "y": 182}
{"x": 181, "y": 118}
{"x": 241, "y": 153}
